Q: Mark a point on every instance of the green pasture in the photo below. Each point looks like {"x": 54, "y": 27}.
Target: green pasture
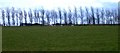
{"x": 60, "y": 38}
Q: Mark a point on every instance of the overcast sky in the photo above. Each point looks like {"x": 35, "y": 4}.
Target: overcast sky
{"x": 52, "y": 4}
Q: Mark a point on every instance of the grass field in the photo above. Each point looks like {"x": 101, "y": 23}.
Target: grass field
{"x": 57, "y": 38}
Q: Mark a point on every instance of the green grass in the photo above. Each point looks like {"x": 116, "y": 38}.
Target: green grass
{"x": 57, "y": 38}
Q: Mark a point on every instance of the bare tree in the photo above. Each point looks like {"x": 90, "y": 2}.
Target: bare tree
{"x": 60, "y": 15}
{"x": 87, "y": 15}
{"x": 38, "y": 16}
{"x": 93, "y": 18}
{"x": 115, "y": 16}
{"x": 25, "y": 16}
{"x": 70, "y": 16}
{"x": 65, "y": 17}
{"x": 13, "y": 16}
{"x": 21, "y": 17}
{"x": 119, "y": 12}
{"x": 3, "y": 17}
{"x": 75, "y": 15}
{"x": 111, "y": 17}
{"x": 42, "y": 16}
{"x": 107, "y": 16}
{"x": 81, "y": 14}
{"x": 16, "y": 14}
{"x": 30, "y": 16}
{"x": 48, "y": 17}
{"x": 54, "y": 16}
{"x": 98, "y": 16}
{"x": 102, "y": 16}
{"x": 8, "y": 16}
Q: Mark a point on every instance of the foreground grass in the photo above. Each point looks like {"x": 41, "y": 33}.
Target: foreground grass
{"x": 65, "y": 38}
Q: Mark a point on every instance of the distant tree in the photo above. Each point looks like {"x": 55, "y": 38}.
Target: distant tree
{"x": 65, "y": 17}
{"x": 70, "y": 16}
{"x": 16, "y": 14}
{"x": 60, "y": 15}
{"x": 8, "y": 16}
{"x": 87, "y": 15}
{"x": 21, "y": 16}
{"x": 102, "y": 16}
{"x": 38, "y": 16}
{"x": 81, "y": 14}
{"x": 25, "y": 16}
{"x": 115, "y": 16}
{"x": 107, "y": 16}
{"x": 54, "y": 16}
{"x": 30, "y": 16}
{"x": 111, "y": 17}
{"x": 98, "y": 16}
{"x": 48, "y": 17}
{"x": 93, "y": 18}
{"x": 119, "y": 12}
{"x": 75, "y": 16}
{"x": 35, "y": 15}
{"x": 42, "y": 16}
{"x": 13, "y": 16}
{"x": 3, "y": 17}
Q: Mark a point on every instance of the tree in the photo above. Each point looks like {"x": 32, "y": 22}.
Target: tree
{"x": 75, "y": 16}
{"x": 115, "y": 16}
{"x": 60, "y": 15}
{"x": 111, "y": 17}
{"x": 81, "y": 14}
{"x": 13, "y": 16}
{"x": 102, "y": 16}
{"x": 70, "y": 16}
{"x": 65, "y": 17}
{"x": 97, "y": 14}
{"x": 93, "y": 18}
{"x": 3, "y": 17}
{"x": 8, "y": 16}
{"x": 42, "y": 16}
{"x": 30, "y": 16}
{"x": 48, "y": 17}
{"x": 25, "y": 16}
{"x": 38, "y": 17}
{"x": 87, "y": 15}
{"x": 16, "y": 14}
{"x": 107, "y": 16}
{"x": 54, "y": 16}
{"x": 119, "y": 12}
{"x": 21, "y": 17}
{"x": 36, "y": 14}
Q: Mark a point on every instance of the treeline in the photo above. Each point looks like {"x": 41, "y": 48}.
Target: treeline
{"x": 76, "y": 16}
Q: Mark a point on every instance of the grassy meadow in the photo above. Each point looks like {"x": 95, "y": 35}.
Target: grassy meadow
{"x": 60, "y": 38}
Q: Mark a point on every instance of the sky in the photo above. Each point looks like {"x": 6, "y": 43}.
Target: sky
{"x": 53, "y": 4}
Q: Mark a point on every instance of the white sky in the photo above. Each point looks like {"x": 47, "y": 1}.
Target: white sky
{"x": 52, "y": 4}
